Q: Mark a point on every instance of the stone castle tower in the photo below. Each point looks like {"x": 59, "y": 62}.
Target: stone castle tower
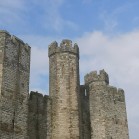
{"x": 64, "y": 90}
{"x": 94, "y": 110}
{"x": 14, "y": 86}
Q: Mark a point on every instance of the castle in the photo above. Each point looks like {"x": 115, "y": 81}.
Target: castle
{"x": 94, "y": 110}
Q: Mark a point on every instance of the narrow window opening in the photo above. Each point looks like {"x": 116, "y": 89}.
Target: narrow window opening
{"x": 13, "y": 121}
{"x": 72, "y": 71}
{"x": 114, "y": 101}
{"x": 116, "y": 121}
{"x": 23, "y": 85}
{"x": 85, "y": 93}
{"x": 63, "y": 70}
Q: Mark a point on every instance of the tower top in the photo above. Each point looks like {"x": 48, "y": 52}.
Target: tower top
{"x": 94, "y": 77}
{"x": 4, "y": 32}
{"x": 65, "y": 46}
{"x": 15, "y": 40}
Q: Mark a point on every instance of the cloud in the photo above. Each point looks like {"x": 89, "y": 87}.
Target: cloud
{"x": 118, "y": 55}
{"x": 110, "y": 21}
{"x": 117, "y": 17}
{"x": 11, "y": 11}
{"x": 52, "y": 17}
{"x": 8, "y": 4}
{"x": 39, "y": 61}
{"x": 136, "y": 22}
{"x": 39, "y": 70}
{"x": 45, "y": 14}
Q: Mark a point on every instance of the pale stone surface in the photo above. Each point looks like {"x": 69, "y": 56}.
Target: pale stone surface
{"x": 64, "y": 90}
{"x": 107, "y": 108}
{"x": 95, "y": 110}
{"x": 15, "y": 67}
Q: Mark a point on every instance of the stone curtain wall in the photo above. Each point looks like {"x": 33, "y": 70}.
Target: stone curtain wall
{"x": 14, "y": 87}
{"x": 39, "y": 120}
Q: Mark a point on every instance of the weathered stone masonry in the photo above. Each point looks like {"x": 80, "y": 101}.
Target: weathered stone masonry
{"x": 64, "y": 90}
{"x": 14, "y": 86}
{"x": 94, "y": 110}
{"x": 107, "y": 108}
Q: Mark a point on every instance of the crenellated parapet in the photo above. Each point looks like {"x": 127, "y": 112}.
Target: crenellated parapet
{"x": 65, "y": 46}
{"x": 19, "y": 42}
{"x": 4, "y": 32}
{"x": 3, "y": 35}
{"x": 119, "y": 95}
{"x": 95, "y": 77}
{"x": 13, "y": 39}
{"x": 36, "y": 96}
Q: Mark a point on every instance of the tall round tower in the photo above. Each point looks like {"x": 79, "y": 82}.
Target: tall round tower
{"x": 64, "y": 90}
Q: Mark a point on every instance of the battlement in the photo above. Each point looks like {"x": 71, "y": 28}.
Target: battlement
{"x": 65, "y": 46}
{"x": 37, "y": 95}
{"x": 37, "y": 101}
{"x": 120, "y": 96}
{"x": 4, "y": 32}
{"x": 14, "y": 39}
{"x": 94, "y": 77}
